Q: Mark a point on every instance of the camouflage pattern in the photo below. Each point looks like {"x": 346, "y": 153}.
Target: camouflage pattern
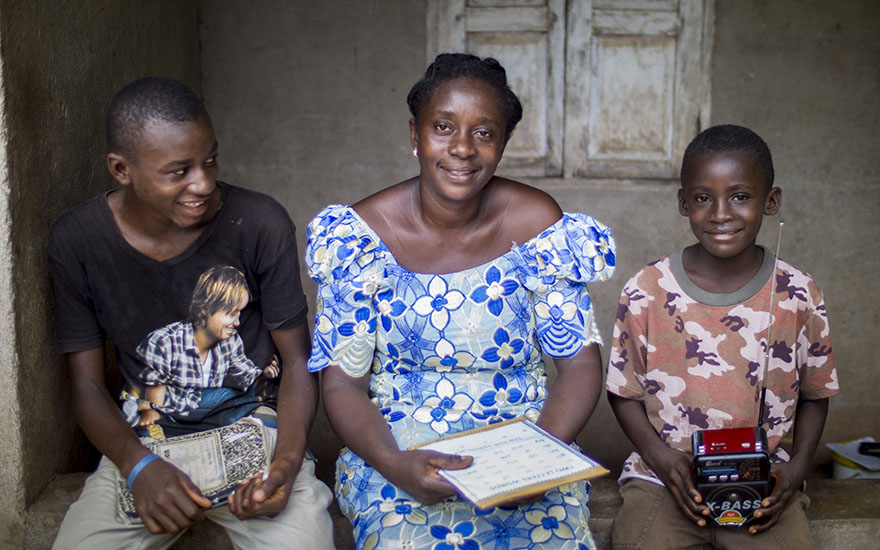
{"x": 697, "y": 366}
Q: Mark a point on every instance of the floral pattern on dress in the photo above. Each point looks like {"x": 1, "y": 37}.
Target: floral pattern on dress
{"x": 448, "y": 353}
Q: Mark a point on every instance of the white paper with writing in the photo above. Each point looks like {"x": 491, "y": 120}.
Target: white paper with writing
{"x": 508, "y": 458}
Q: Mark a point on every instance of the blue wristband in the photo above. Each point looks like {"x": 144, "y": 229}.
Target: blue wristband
{"x": 136, "y": 471}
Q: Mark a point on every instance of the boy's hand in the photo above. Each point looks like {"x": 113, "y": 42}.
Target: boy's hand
{"x": 671, "y": 466}
{"x": 674, "y": 469}
{"x": 787, "y": 480}
{"x": 166, "y": 499}
{"x": 808, "y": 423}
{"x": 265, "y": 496}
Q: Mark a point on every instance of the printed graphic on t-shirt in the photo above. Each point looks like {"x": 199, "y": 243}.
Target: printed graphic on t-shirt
{"x": 195, "y": 366}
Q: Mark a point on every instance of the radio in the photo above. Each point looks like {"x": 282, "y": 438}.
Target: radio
{"x": 732, "y": 466}
{"x": 732, "y": 472}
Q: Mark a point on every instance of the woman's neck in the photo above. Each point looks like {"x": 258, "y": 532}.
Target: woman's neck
{"x": 438, "y": 214}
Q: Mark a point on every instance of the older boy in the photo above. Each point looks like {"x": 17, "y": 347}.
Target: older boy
{"x": 125, "y": 264}
{"x": 687, "y": 351}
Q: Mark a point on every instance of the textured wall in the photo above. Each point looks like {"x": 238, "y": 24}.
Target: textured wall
{"x": 806, "y": 76}
{"x": 309, "y": 104}
{"x": 62, "y": 62}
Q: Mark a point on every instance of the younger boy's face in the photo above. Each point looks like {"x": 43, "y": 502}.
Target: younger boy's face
{"x": 725, "y": 199}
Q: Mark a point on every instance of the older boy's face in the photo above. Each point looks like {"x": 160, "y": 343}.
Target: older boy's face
{"x": 173, "y": 175}
{"x": 725, "y": 199}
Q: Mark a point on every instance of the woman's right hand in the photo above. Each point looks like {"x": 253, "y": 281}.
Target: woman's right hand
{"x": 361, "y": 426}
{"x": 416, "y": 472}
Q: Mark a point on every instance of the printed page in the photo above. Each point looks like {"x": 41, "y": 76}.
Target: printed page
{"x": 511, "y": 459}
{"x": 199, "y": 458}
{"x": 216, "y": 460}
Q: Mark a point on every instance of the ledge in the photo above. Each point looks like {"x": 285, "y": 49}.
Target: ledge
{"x": 843, "y": 514}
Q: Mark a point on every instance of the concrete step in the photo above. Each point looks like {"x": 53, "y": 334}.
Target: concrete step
{"x": 843, "y": 514}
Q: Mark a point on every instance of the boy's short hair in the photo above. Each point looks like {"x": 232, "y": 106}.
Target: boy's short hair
{"x": 220, "y": 288}
{"x": 150, "y": 98}
{"x": 728, "y": 138}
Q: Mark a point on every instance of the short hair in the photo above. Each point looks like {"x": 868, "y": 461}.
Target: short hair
{"x": 453, "y": 66}
{"x": 152, "y": 98}
{"x": 220, "y": 288}
{"x": 729, "y": 138}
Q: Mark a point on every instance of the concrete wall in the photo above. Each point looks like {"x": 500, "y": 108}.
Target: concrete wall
{"x": 309, "y": 104}
{"x": 806, "y": 76}
{"x": 308, "y": 101}
{"x": 61, "y": 64}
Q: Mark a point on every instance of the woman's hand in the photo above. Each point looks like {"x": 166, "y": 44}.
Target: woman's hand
{"x": 416, "y": 473}
{"x": 361, "y": 426}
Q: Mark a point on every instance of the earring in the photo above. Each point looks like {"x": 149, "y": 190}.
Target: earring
{"x": 416, "y": 152}
{"x": 499, "y": 165}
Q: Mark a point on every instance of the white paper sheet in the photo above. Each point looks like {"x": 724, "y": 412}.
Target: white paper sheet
{"x": 509, "y": 458}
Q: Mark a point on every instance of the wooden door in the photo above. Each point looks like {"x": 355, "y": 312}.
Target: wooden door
{"x": 610, "y": 88}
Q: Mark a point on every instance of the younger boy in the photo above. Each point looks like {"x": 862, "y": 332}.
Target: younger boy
{"x": 194, "y": 365}
{"x": 688, "y": 351}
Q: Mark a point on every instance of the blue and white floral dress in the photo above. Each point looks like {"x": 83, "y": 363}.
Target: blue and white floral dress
{"x": 448, "y": 353}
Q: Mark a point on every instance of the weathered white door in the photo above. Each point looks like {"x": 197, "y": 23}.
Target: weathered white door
{"x": 527, "y": 37}
{"x": 610, "y": 88}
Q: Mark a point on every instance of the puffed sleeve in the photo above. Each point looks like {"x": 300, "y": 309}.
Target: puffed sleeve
{"x": 348, "y": 262}
{"x": 555, "y": 267}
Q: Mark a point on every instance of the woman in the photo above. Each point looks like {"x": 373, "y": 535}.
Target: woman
{"x": 430, "y": 322}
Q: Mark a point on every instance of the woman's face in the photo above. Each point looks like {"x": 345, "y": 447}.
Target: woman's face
{"x": 459, "y": 138}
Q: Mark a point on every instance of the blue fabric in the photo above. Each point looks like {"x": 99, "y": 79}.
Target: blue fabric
{"x": 448, "y": 353}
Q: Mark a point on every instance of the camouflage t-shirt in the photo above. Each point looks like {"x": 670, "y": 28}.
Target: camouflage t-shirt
{"x": 695, "y": 358}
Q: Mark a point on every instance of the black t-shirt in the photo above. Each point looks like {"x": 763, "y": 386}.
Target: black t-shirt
{"x": 105, "y": 288}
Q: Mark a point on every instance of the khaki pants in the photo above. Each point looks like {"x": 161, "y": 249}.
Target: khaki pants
{"x": 651, "y": 519}
{"x": 90, "y": 522}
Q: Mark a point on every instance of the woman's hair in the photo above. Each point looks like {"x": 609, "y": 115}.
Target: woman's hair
{"x": 729, "y": 138}
{"x": 453, "y": 66}
{"x": 221, "y": 288}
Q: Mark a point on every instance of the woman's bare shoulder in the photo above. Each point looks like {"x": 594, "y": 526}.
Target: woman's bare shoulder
{"x": 526, "y": 210}
{"x": 385, "y": 208}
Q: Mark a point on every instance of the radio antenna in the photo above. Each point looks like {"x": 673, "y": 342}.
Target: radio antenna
{"x": 769, "y": 325}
